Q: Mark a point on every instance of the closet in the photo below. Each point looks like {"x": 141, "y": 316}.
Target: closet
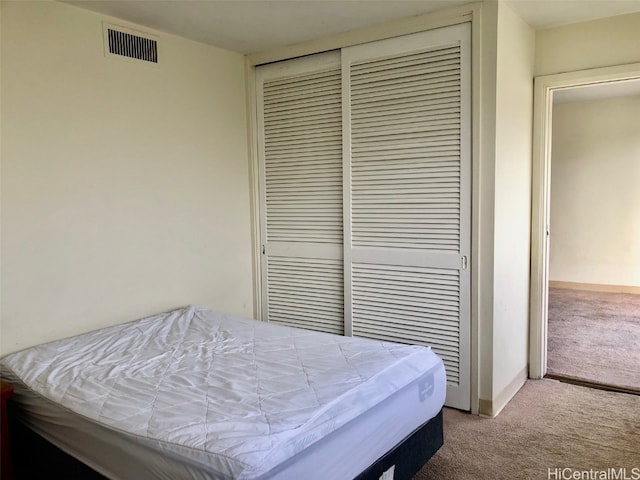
{"x": 365, "y": 184}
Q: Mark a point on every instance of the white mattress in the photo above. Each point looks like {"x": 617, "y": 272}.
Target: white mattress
{"x": 196, "y": 394}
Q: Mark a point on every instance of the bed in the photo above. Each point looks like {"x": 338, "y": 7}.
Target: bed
{"x": 196, "y": 394}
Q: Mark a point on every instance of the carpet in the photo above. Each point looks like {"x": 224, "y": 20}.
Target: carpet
{"x": 547, "y": 425}
{"x": 594, "y": 336}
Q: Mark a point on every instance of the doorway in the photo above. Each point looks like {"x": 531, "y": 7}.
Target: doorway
{"x": 594, "y": 253}
{"x": 546, "y": 88}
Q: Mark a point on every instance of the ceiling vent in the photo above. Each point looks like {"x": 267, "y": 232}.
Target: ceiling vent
{"x": 129, "y": 44}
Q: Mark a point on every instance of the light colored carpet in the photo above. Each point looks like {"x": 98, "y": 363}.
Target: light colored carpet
{"x": 548, "y": 424}
{"x": 594, "y": 336}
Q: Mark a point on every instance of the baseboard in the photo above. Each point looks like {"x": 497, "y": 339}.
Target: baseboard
{"x": 594, "y": 287}
{"x": 485, "y": 407}
{"x": 491, "y": 408}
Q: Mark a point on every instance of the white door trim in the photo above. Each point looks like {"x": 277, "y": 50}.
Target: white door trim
{"x": 544, "y": 88}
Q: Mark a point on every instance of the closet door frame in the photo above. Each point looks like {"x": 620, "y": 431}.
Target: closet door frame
{"x": 481, "y": 297}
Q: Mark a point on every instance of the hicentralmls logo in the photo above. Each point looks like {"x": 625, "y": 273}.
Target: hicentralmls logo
{"x": 591, "y": 474}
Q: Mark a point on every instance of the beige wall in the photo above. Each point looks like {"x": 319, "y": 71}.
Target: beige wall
{"x": 595, "y": 192}
{"x": 514, "y": 110}
{"x": 504, "y": 203}
{"x": 599, "y": 43}
{"x": 124, "y": 185}
{"x": 483, "y": 196}
{"x": 505, "y": 186}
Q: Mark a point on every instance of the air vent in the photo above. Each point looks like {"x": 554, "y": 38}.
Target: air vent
{"x": 127, "y": 43}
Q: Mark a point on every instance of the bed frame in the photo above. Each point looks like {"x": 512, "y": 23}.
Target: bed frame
{"x": 410, "y": 455}
{"x": 35, "y": 457}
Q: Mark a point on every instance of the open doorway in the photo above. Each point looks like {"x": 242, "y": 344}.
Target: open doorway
{"x": 594, "y": 245}
{"x": 546, "y": 87}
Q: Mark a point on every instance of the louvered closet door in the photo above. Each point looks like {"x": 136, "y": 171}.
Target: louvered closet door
{"x": 300, "y": 154}
{"x": 407, "y": 158}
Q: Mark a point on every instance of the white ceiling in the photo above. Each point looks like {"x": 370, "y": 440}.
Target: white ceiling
{"x": 597, "y": 91}
{"x": 248, "y": 26}
{"x": 542, "y": 14}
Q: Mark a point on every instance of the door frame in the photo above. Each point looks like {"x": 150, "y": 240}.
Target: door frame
{"x": 544, "y": 88}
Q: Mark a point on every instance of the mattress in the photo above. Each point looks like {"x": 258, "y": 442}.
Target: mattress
{"x": 194, "y": 393}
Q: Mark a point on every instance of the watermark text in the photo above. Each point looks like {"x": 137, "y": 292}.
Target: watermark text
{"x": 566, "y": 473}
